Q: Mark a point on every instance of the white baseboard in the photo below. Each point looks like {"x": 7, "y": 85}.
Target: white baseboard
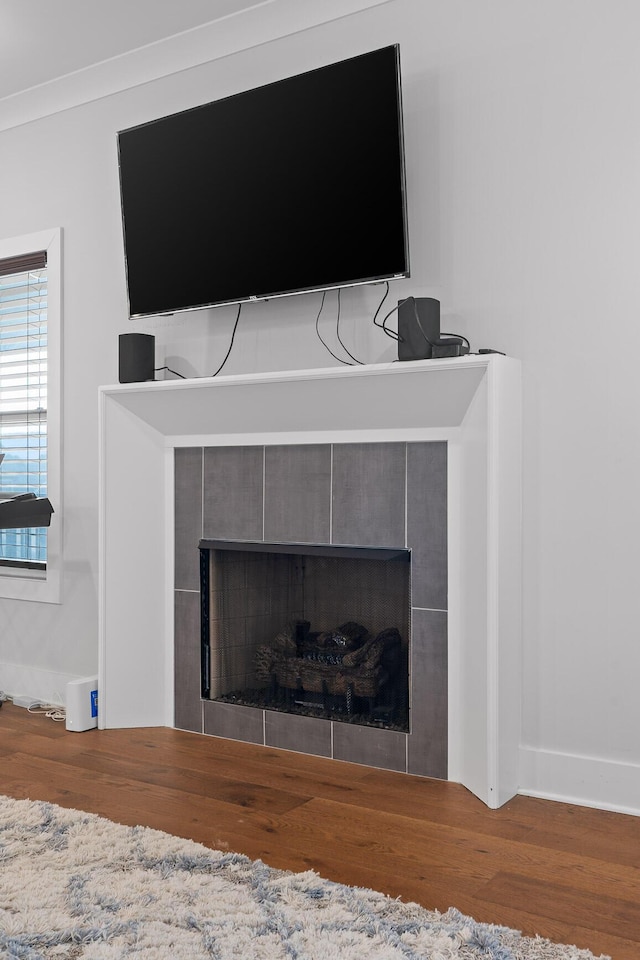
{"x": 47, "y": 686}
{"x": 586, "y": 781}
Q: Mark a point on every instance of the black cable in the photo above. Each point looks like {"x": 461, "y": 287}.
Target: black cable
{"x": 325, "y": 345}
{"x": 383, "y": 325}
{"x": 349, "y": 354}
{"x": 379, "y": 308}
{"x": 235, "y": 327}
{"x": 391, "y": 333}
{"x": 157, "y": 370}
{"x": 420, "y": 327}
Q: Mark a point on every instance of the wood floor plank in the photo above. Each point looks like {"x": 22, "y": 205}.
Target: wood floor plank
{"x": 411, "y": 837}
{"x": 563, "y": 872}
{"x": 206, "y": 784}
{"x": 558, "y": 900}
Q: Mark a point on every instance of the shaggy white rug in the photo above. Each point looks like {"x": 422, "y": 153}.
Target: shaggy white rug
{"x": 73, "y": 885}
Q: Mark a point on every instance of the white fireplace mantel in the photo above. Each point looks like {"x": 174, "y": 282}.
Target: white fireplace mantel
{"x": 471, "y": 402}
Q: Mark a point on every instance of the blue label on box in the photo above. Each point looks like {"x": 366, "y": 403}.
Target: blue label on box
{"x": 94, "y": 703}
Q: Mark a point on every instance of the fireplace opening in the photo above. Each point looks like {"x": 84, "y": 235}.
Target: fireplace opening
{"x": 314, "y": 630}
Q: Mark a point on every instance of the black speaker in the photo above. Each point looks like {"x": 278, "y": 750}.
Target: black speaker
{"x": 136, "y": 357}
{"x": 418, "y": 327}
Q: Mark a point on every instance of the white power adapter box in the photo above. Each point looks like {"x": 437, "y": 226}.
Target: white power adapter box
{"x": 82, "y": 704}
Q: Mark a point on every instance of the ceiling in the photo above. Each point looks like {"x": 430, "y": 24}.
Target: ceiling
{"x": 42, "y": 40}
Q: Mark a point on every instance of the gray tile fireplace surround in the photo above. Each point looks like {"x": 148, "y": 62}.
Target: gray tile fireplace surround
{"x": 365, "y": 494}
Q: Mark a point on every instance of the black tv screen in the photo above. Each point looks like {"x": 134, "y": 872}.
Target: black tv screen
{"x": 294, "y": 186}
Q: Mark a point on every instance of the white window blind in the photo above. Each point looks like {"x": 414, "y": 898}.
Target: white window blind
{"x": 23, "y": 397}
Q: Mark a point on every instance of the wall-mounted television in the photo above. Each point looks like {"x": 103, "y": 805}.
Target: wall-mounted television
{"x": 294, "y": 186}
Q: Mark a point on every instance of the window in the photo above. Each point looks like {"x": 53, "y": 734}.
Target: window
{"x": 30, "y": 427}
{"x": 23, "y": 398}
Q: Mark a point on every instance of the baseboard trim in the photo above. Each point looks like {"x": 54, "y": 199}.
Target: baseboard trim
{"x": 47, "y": 686}
{"x": 584, "y": 781}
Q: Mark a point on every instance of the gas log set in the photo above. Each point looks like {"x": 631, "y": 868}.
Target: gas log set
{"x": 344, "y": 673}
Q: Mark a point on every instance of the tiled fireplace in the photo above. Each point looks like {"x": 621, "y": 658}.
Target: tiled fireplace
{"x": 420, "y": 458}
{"x": 365, "y": 495}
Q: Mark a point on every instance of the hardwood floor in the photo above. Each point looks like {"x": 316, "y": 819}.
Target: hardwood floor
{"x": 567, "y": 873}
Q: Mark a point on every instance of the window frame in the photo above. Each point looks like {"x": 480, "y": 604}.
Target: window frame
{"x": 28, "y": 584}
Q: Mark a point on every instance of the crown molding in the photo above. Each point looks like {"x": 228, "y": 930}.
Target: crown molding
{"x": 263, "y": 22}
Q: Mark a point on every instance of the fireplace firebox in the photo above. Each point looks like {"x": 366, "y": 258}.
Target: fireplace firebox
{"x": 315, "y": 630}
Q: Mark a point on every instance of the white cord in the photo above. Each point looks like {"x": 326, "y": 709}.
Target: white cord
{"x": 49, "y": 710}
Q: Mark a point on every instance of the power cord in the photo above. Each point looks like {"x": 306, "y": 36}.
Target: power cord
{"x": 49, "y": 710}
{"x": 175, "y": 372}
{"x": 323, "y": 342}
{"x": 349, "y": 354}
{"x": 383, "y": 326}
{"x": 379, "y": 308}
{"x": 233, "y": 334}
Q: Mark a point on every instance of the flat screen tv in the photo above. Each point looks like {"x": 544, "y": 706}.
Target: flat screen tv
{"x": 294, "y": 186}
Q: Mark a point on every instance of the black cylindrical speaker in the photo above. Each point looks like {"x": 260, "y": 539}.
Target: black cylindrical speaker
{"x": 136, "y": 357}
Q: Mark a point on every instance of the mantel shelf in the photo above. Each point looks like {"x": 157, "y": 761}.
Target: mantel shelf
{"x": 429, "y": 393}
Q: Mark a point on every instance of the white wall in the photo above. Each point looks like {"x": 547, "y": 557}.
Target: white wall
{"x": 523, "y": 164}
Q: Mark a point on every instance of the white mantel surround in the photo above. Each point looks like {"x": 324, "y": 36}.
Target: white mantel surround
{"x": 471, "y": 402}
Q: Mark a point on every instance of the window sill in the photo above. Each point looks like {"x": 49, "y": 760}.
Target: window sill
{"x": 42, "y": 586}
